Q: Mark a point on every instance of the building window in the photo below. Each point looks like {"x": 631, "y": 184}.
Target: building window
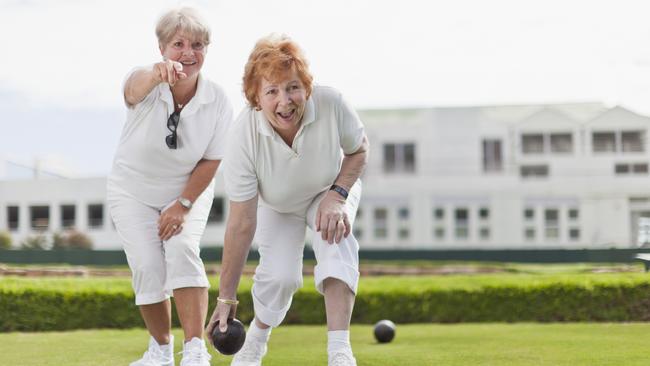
{"x": 492, "y": 156}
{"x": 628, "y": 169}
{"x": 484, "y": 213}
{"x": 439, "y": 233}
{"x": 358, "y": 233}
{"x": 604, "y": 141}
{"x": 640, "y": 168}
{"x": 439, "y": 213}
{"x": 399, "y": 158}
{"x": 574, "y": 214}
{"x": 462, "y": 232}
{"x": 561, "y": 143}
{"x": 216, "y": 210}
{"x": 40, "y": 217}
{"x": 390, "y": 159}
{"x": 68, "y": 216}
{"x": 12, "y": 217}
{"x": 403, "y": 213}
{"x": 620, "y": 169}
{"x": 96, "y": 215}
{"x": 574, "y": 234}
{"x": 632, "y": 141}
{"x": 358, "y": 228}
{"x": 529, "y": 214}
{"x": 484, "y": 233}
{"x": 381, "y": 223}
{"x": 534, "y": 171}
{"x": 532, "y": 144}
{"x": 529, "y": 233}
{"x": 462, "y": 223}
{"x": 551, "y": 223}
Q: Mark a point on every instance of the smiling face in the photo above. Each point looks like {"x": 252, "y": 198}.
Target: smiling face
{"x": 187, "y": 50}
{"x": 283, "y": 102}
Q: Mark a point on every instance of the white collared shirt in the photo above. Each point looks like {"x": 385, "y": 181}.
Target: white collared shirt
{"x": 288, "y": 178}
{"x": 149, "y": 171}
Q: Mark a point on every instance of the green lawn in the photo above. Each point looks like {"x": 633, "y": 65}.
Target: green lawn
{"x": 588, "y": 344}
{"x": 366, "y": 284}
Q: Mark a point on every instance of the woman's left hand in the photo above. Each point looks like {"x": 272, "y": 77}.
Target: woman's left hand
{"x": 171, "y": 221}
{"x": 332, "y": 219}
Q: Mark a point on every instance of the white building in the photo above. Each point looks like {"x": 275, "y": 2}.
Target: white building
{"x": 537, "y": 176}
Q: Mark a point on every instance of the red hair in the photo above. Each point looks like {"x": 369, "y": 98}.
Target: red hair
{"x": 272, "y": 58}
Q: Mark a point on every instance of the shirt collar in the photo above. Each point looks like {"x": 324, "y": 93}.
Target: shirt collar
{"x": 204, "y": 95}
{"x": 264, "y": 126}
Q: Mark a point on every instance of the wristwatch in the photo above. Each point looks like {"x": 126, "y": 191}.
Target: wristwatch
{"x": 185, "y": 202}
{"x": 340, "y": 190}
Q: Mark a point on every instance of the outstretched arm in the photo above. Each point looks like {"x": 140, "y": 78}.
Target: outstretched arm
{"x": 242, "y": 221}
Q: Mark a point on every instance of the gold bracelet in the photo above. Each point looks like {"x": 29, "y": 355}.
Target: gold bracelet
{"x": 227, "y": 301}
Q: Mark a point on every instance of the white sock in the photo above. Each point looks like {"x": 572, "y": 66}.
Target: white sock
{"x": 338, "y": 340}
{"x": 169, "y": 347}
{"x": 259, "y": 333}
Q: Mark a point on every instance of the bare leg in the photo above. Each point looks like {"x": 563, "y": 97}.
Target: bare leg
{"x": 158, "y": 319}
{"x": 192, "y": 308}
{"x": 339, "y": 301}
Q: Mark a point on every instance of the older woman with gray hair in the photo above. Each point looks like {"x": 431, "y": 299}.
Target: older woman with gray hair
{"x": 160, "y": 189}
{"x": 293, "y": 161}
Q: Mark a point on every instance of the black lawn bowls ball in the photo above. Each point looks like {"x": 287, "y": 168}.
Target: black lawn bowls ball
{"x": 230, "y": 341}
{"x": 384, "y": 331}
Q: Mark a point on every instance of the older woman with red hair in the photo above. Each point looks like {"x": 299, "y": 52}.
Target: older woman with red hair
{"x": 293, "y": 161}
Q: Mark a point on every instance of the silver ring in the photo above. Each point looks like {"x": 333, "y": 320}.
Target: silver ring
{"x": 174, "y": 227}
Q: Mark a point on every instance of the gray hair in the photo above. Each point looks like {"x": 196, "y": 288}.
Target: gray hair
{"x": 184, "y": 19}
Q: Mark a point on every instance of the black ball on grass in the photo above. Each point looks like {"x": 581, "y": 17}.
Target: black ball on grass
{"x": 230, "y": 341}
{"x": 384, "y": 331}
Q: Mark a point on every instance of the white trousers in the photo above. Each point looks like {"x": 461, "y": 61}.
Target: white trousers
{"x": 281, "y": 240}
{"x": 159, "y": 267}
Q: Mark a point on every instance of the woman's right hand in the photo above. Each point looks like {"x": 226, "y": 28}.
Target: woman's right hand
{"x": 221, "y": 314}
{"x": 169, "y": 72}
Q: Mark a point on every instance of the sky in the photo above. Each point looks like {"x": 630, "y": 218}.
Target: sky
{"x": 62, "y": 62}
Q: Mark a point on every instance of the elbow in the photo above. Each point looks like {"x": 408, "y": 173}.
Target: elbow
{"x": 363, "y": 148}
{"x": 129, "y": 99}
{"x": 365, "y": 145}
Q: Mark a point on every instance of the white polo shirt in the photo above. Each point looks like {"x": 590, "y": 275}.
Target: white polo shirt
{"x": 149, "y": 171}
{"x": 287, "y": 178}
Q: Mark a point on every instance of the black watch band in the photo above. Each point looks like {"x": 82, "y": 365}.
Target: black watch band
{"x": 340, "y": 190}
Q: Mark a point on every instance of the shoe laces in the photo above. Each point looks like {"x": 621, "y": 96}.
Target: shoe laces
{"x": 153, "y": 357}
{"x": 341, "y": 359}
{"x": 252, "y": 351}
{"x": 195, "y": 356}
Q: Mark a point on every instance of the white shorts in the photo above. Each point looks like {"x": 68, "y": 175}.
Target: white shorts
{"x": 158, "y": 267}
{"x": 281, "y": 240}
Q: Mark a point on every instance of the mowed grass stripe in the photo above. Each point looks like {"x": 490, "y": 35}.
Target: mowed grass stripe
{"x": 586, "y": 344}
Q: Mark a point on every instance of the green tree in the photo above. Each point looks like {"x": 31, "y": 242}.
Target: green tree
{"x": 78, "y": 240}
{"x": 71, "y": 239}
{"x": 58, "y": 241}
{"x": 34, "y": 242}
{"x": 5, "y": 240}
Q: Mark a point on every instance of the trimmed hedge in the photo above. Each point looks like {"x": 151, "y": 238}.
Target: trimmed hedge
{"x": 38, "y": 310}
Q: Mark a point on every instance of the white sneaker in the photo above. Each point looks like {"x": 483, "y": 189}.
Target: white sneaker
{"x": 341, "y": 359}
{"x": 251, "y": 353}
{"x": 195, "y": 353}
{"x": 157, "y": 355}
